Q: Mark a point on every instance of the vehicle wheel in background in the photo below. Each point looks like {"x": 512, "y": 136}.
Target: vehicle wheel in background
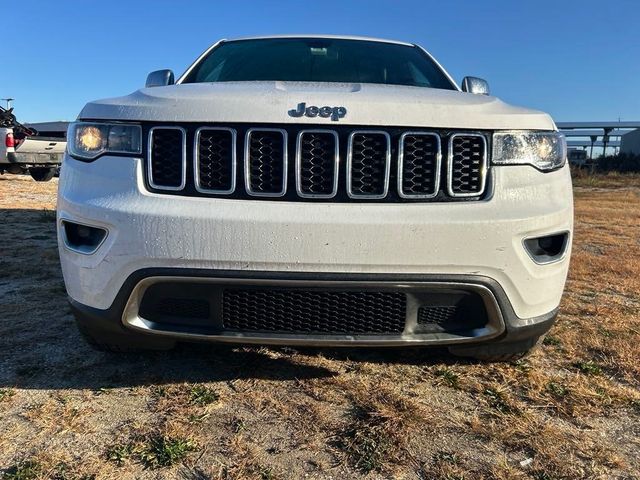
{"x": 14, "y": 169}
{"x": 42, "y": 174}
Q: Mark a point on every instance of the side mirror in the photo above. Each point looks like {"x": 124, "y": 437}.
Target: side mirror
{"x": 160, "y": 78}
{"x": 475, "y": 85}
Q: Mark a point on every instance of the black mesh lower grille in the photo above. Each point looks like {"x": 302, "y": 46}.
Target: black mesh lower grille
{"x": 468, "y": 159}
{"x": 369, "y": 158}
{"x": 266, "y": 162}
{"x": 215, "y": 160}
{"x": 314, "y": 311}
{"x": 167, "y": 157}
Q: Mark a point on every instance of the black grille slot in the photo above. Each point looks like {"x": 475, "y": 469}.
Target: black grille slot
{"x": 467, "y": 162}
{"x": 314, "y": 311}
{"x": 368, "y": 164}
{"x": 317, "y": 164}
{"x": 215, "y": 160}
{"x": 419, "y": 175}
{"x": 167, "y": 162}
{"x": 266, "y": 162}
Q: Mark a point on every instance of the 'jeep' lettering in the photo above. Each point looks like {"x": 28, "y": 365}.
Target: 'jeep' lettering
{"x": 336, "y": 113}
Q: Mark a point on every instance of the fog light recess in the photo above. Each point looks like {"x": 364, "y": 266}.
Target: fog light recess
{"x": 82, "y": 238}
{"x": 547, "y": 249}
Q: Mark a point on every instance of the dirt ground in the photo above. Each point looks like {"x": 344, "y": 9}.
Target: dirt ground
{"x": 572, "y": 410}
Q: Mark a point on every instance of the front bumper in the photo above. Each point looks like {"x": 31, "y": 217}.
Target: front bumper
{"x": 500, "y": 325}
{"x": 470, "y": 240}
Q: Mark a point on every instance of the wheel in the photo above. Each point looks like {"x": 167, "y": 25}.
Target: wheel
{"x": 42, "y": 174}
{"x": 14, "y": 169}
{"x": 499, "y": 352}
{"x": 125, "y": 342}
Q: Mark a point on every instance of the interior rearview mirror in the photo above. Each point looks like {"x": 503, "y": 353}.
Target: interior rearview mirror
{"x": 475, "y": 85}
{"x": 160, "y": 78}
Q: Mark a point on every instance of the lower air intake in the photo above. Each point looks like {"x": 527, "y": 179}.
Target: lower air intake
{"x": 314, "y": 311}
{"x": 436, "y": 315}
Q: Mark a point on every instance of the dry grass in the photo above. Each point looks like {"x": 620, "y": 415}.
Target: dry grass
{"x": 582, "y": 177}
{"x": 572, "y": 410}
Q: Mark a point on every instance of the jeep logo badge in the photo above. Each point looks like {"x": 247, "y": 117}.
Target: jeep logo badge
{"x": 336, "y": 113}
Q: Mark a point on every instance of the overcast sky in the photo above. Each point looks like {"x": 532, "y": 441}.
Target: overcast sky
{"x": 578, "y": 60}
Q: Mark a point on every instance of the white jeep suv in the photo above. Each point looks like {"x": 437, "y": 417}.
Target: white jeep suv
{"x": 315, "y": 190}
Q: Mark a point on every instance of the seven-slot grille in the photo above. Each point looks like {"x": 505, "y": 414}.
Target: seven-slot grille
{"x": 340, "y": 164}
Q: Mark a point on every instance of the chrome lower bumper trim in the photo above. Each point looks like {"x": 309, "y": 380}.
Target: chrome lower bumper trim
{"x": 494, "y": 327}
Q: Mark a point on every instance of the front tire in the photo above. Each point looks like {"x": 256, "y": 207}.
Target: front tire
{"x": 121, "y": 342}
{"x": 42, "y": 174}
{"x": 499, "y": 352}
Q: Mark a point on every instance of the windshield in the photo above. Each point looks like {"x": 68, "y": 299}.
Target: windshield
{"x": 319, "y": 60}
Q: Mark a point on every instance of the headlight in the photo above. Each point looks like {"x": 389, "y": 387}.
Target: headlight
{"x": 88, "y": 141}
{"x": 544, "y": 150}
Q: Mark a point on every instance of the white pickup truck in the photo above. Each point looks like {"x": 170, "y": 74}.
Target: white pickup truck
{"x": 36, "y": 149}
{"x": 314, "y": 190}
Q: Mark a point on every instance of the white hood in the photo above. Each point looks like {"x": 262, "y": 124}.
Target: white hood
{"x": 269, "y": 102}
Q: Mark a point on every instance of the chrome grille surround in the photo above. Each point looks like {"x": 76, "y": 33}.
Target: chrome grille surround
{"x": 402, "y": 167}
{"x": 350, "y": 166}
{"x": 300, "y": 164}
{"x": 481, "y": 170}
{"x": 247, "y": 163}
{"x": 182, "y": 161}
{"x": 231, "y": 166}
{"x": 338, "y": 164}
